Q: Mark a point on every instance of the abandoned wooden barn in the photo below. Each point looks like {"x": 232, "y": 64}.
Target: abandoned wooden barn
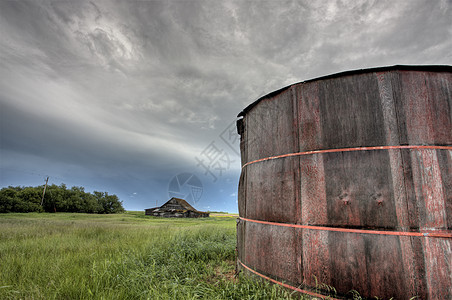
{"x": 176, "y": 208}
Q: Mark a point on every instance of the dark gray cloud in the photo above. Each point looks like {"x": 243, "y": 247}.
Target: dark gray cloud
{"x": 123, "y": 95}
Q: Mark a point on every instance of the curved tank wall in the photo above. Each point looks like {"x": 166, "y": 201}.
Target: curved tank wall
{"x": 346, "y": 181}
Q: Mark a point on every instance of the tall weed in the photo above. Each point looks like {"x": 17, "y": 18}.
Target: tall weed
{"x": 126, "y": 256}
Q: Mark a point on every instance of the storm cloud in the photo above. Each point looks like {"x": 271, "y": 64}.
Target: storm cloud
{"x": 120, "y": 96}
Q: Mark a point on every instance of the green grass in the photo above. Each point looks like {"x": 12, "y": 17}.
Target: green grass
{"x": 122, "y": 256}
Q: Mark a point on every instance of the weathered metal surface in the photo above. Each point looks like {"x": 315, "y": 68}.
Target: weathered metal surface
{"x": 400, "y": 190}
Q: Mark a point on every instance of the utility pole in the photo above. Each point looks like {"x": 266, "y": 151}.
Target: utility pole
{"x": 44, "y": 192}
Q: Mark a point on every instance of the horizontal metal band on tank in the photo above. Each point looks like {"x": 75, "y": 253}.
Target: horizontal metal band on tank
{"x": 432, "y": 233}
{"x": 285, "y": 284}
{"x": 421, "y": 147}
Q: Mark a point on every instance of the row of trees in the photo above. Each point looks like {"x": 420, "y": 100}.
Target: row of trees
{"x": 58, "y": 199}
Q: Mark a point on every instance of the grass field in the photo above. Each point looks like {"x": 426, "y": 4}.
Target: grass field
{"x": 122, "y": 256}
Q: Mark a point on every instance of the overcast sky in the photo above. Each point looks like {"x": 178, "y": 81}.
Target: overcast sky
{"x": 122, "y": 96}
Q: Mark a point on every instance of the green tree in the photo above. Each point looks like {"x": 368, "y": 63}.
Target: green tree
{"x": 58, "y": 199}
{"x": 7, "y": 198}
{"x": 109, "y": 204}
{"x": 30, "y": 199}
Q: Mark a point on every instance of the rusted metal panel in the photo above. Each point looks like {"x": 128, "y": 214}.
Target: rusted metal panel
{"x": 272, "y": 191}
{"x": 377, "y": 208}
{"x": 359, "y": 190}
{"x": 316, "y": 266}
{"x": 314, "y": 209}
{"x": 438, "y": 268}
{"x": 271, "y": 115}
{"x": 426, "y": 101}
{"x": 445, "y": 165}
{"x": 240, "y": 241}
{"x": 429, "y": 190}
{"x": 309, "y": 118}
{"x": 242, "y": 194}
{"x": 264, "y": 251}
{"x": 351, "y": 115}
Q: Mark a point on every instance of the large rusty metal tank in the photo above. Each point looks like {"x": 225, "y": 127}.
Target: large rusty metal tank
{"x": 346, "y": 181}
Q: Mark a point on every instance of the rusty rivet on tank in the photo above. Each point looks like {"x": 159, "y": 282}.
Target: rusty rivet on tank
{"x": 344, "y": 199}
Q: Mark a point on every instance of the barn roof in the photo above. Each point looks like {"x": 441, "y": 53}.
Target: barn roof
{"x": 183, "y": 203}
